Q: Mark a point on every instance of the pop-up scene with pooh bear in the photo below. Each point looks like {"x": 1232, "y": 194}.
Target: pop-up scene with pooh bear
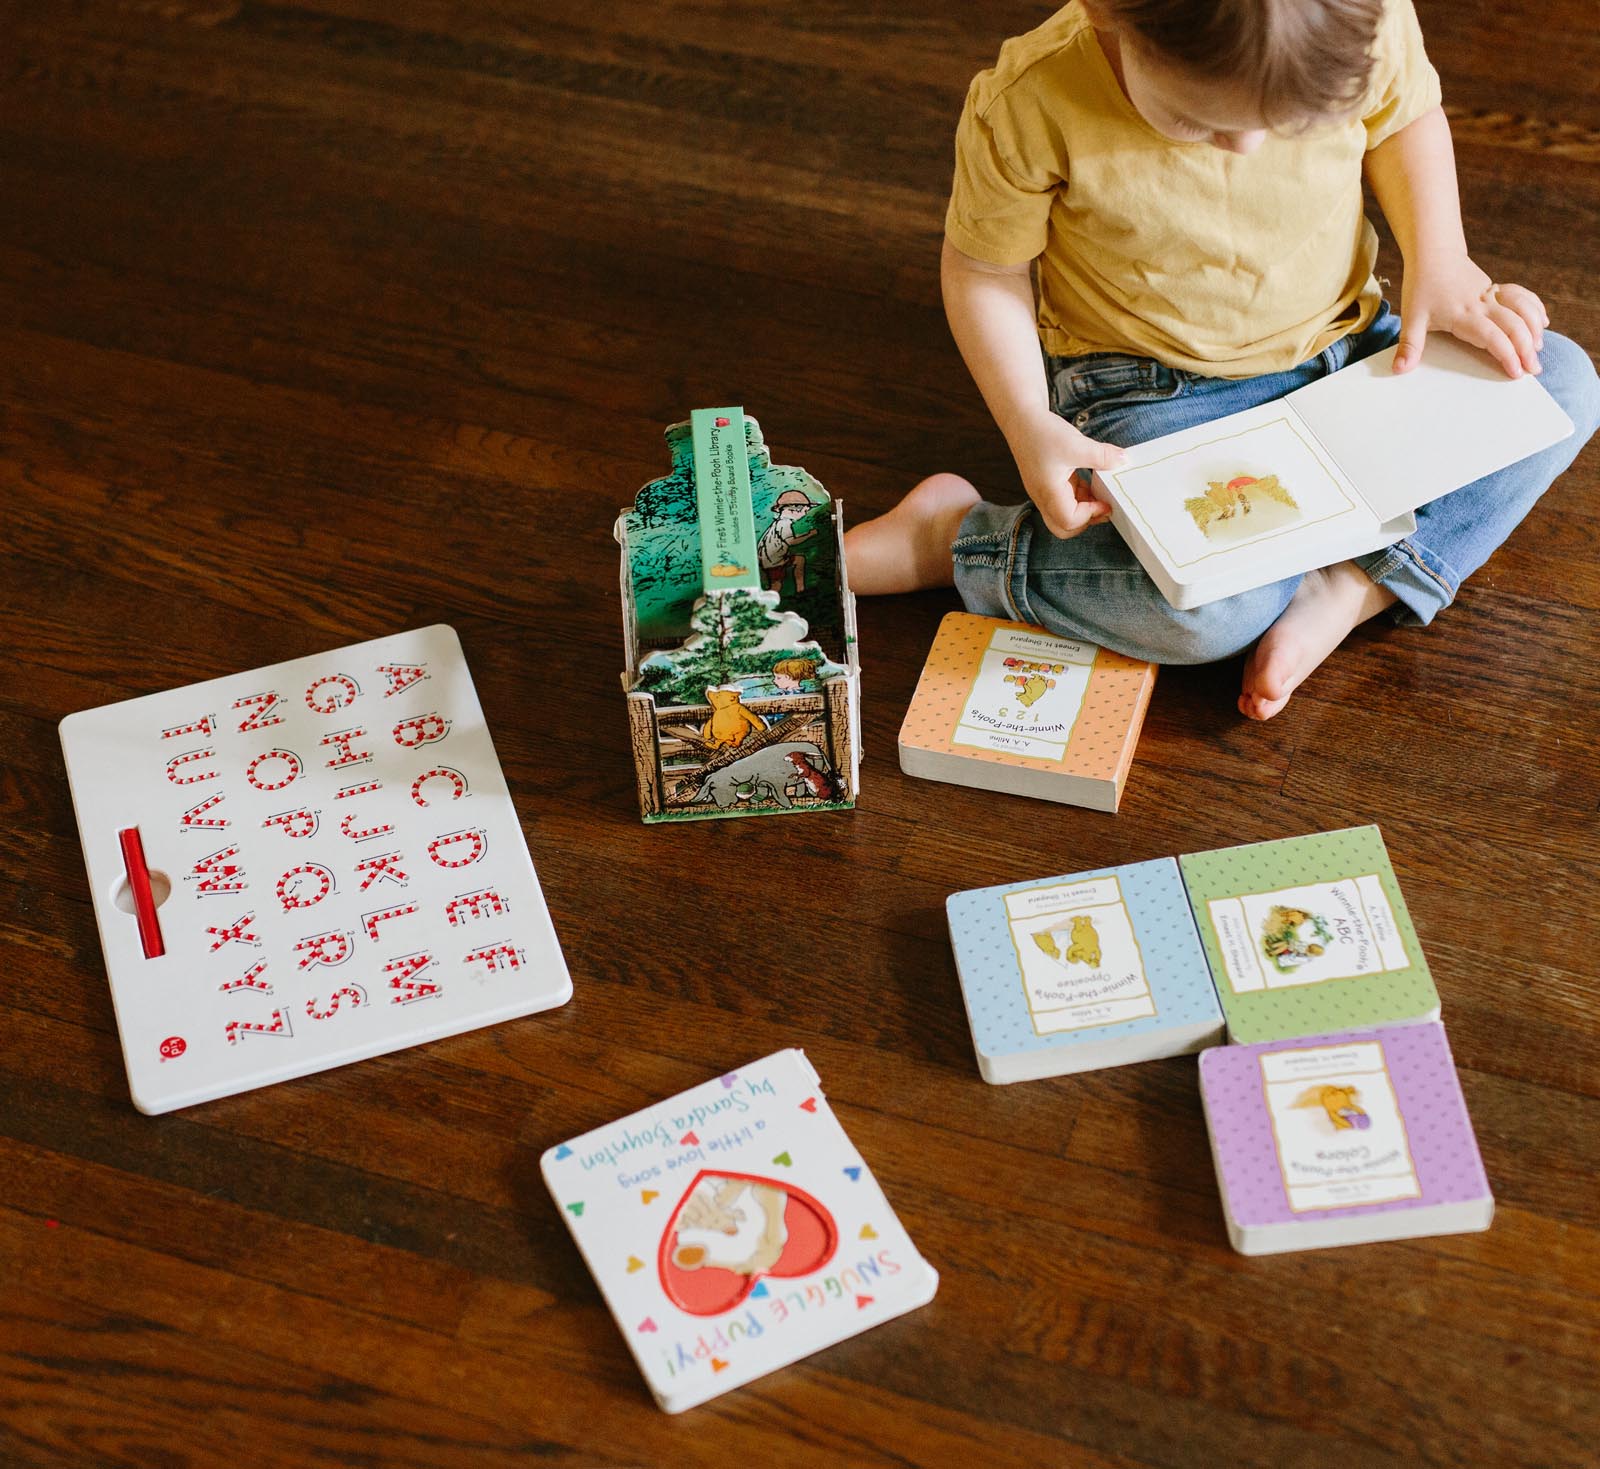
{"x": 742, "y": 679}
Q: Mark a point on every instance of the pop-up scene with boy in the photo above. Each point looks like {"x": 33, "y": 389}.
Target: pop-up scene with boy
{"x": 742, "y": 679}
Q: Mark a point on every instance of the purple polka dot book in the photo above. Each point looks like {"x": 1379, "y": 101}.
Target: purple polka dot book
{"x": 734, "y": 1229}
{"x": 1005, "y": 706}
{"x": 1308, "y": 935}
{"x": 1076, "y": 973}
{"x": 1327, "y": 472}
{"x": 303, "y": 866}
{"x": 1342, "y": 1139}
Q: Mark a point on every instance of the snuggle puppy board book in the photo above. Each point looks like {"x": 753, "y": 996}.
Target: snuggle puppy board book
{"x": 1077, "y": 973}
{"x": 742, "y": 678}
{"x": 1005, "y": 706}
{"x": 1291, "y": 938}
{"x": 1342, "y": 1139}
{"x": 305, "y": 865}
{"x": 733, "y": 1229}
{"x": 1330, "y": 471}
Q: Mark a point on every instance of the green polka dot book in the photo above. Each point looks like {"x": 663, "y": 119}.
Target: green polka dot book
{"x": 1308, "y": 935}
{"x": 1067, "y": 974}
{"x": 734, "y": 1229}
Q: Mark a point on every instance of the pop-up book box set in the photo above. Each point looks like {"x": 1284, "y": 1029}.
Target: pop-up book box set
{"x": 742, "y": 680}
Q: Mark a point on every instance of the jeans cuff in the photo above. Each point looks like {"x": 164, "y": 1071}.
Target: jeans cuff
{"x": 1423, "y": 586}
{"x": 991, "y": 560}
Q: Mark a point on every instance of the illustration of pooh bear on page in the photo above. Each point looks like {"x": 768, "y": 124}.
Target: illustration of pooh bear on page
{"x": 730, "y": 1230}
{"x": 730, "y": 721}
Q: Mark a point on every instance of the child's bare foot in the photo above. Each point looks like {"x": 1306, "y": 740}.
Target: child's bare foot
{"x": 909, "y": 548}
{"x": 1326, "y": 607}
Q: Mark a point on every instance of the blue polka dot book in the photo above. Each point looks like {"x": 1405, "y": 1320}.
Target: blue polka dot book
{"x": 1266, "y": 941}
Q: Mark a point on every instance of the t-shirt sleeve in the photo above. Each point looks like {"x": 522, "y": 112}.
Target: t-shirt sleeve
{"x": 1404, "y": 83}
{"x": 1000, "y": 200}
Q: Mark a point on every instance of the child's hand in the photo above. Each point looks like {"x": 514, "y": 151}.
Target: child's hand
{"x": 1453, "y": 295}
{"x": 1049, "y": 453}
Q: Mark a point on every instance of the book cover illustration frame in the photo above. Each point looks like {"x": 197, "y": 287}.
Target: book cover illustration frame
{"x": 742, "y": 676}
{"x": 1240, "y": 493}
{"x": 1322, "y": 1094}
{"x": 1079, "y": 960}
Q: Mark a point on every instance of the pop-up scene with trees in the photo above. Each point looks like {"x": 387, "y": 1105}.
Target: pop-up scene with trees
{"x": 742, "y": 680}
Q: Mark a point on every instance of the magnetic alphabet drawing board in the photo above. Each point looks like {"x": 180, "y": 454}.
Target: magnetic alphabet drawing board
{"x": 335, "y": 868}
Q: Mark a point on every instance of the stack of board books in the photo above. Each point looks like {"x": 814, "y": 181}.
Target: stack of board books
{"x": 1006, "y": 706}
{"x": 734, "y": 1229}
{"x": 1335, "y": 1113}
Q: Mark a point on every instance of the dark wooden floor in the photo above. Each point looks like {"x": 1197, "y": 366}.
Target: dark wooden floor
{"x": 323, "y": 320}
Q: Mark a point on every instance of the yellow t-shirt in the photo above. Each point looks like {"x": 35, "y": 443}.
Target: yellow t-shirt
{"x": 1221, "y": 263}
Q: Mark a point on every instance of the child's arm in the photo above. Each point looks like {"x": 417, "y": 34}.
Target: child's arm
{"x": 990, "y": 308}
{"x": 1413, "y": 173}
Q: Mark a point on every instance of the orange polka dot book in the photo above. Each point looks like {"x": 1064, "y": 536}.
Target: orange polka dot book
{"x": 306, "y": 865}
{"x": 1004, "y": 706}
{"x": 734, "y": 1229}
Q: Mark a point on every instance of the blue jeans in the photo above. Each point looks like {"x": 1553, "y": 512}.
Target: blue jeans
{"x": 1091, "y": 587}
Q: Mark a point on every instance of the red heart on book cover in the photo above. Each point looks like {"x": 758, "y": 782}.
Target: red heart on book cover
{"x": 731, "y": 1229}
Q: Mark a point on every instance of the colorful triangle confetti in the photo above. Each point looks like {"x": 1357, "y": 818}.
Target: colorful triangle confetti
{"x": 868, "y": 1232}
{"x": 563, "y": 1152}
{"x": 785, "y": 1160}
{"x": 853, "y": 1174}
{"x": 649, "y": 1195}
{"x": 577, "y": 1210}
{"x": 634, "y": 1263}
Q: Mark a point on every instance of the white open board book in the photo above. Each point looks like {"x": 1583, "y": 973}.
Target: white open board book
{"x": 335, "y": 868}
{"x": 1328, "y": 472}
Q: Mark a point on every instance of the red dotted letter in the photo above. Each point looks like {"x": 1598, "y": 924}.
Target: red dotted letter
{"x": 344, "y": 751}
{"x": 331, "y": 692}
{"x": 425, "y": 729}
{"x": 192, "y": 777}
{"x": 444, "y": 851}
{"x": 402, "y": 977}
{"x": 284, "y": 771}
{"x": 475, "y": 904}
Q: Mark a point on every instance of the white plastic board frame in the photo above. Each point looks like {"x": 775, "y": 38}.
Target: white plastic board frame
{"x": 338, "y": 867}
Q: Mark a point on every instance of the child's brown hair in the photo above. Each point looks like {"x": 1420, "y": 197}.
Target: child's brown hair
{"x": 1305, "y": 60}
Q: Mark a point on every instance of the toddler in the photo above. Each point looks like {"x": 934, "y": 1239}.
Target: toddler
{"x": 1185, "y": 177}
